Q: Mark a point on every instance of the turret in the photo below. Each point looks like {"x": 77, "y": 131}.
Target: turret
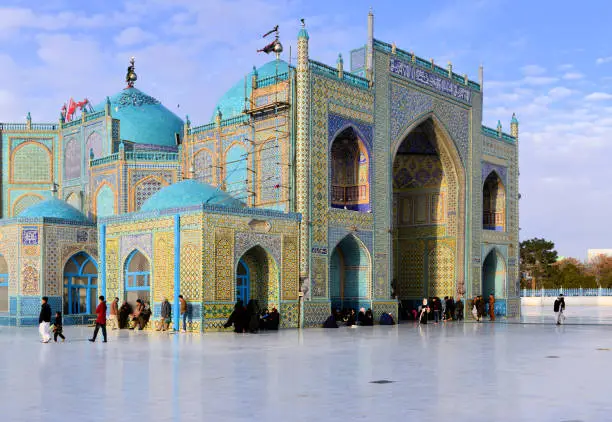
{"x": 370, "y": 46}
{"x": 29, "y": 121}
{"x": 499, "y": 128}
{"x": 514, "y": 126}
{"x": 302, "y": 147}
{"x": 340, "y": 66}
{"x": 481, "y": 76}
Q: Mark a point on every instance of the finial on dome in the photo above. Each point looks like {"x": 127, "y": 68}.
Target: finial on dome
{"x": 131, "y": 77}
{"x": 91, "y": 154}
{"x": 54, "y": 187}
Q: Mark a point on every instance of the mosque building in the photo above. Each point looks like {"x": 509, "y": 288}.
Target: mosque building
{"x": 322, "y": 187}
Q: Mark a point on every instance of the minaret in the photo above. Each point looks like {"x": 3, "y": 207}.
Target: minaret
{"x": 481, "y": 77}
{"x": 370, "y": 46}
{"x": 514, "y": 126}
{"x": 302, "y": 147}
{"x": 340, "y": 66}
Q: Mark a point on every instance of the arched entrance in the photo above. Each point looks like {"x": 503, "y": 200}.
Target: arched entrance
{"x": 493, "y": 275}
{"x": 350, "y": 269}
{"x": 4, "y": 278}
{"x": 493, "y": 203}
{"x": 137, "y": 278}
{"x": 350, "y": 172}
{"x": 257, "y": 278}
{"x": 80, "y": 285}
{"x": 428, "y": 214}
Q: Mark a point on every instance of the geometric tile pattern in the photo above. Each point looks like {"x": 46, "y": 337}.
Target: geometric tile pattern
{"x": 224, "y": 245}
{"x": 163, "y": 266}
{"x": 290, "y": 268}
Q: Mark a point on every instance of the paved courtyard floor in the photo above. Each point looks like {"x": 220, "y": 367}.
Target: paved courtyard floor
{"x": 459, "y": 372}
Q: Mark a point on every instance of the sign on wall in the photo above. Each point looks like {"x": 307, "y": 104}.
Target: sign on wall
{"x": 431, "y": 80}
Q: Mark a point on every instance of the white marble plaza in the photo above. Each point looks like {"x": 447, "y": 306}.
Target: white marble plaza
{"x": 455, "y": 372}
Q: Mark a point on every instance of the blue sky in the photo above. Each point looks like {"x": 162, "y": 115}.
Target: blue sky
{"x": 548, "y": 61}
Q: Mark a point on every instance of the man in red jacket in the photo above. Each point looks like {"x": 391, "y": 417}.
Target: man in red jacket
{"x": 100, "y": 320}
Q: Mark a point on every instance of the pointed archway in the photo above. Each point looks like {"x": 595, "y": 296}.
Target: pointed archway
{"x": 80, "y": 285}
{"x": 257, "y": 278}
{"x": 137, "y": 278}
{"x": 493, "y": 275}
{"x": 428, "y": 220}
{"x": 350, "y": 270}
{"x": 349, "y": 172}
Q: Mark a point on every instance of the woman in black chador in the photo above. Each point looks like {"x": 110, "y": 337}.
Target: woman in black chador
{"x": 237, "y": 318}
{"x": 252, "y": 311}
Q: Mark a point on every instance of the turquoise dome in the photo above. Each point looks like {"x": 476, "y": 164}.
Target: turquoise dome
{"x": 189, "y": 193}
{"x": 232, "y": 102}
{"x": 144, "y": 120}
{"x": 54, "y": 208}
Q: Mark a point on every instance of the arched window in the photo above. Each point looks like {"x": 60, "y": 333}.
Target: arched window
{"x": 94, "y": 143}
{"x": 493, "y": 203}
{"x": 80, "y": 285}
{"x": 236, "y": 171}
{"x": 4, "y": 278}
{"x": 137, "y": 277}
{"x": 144, "y": 190}
{"x": 24, "y": 202}
{"x": 72, "y": 159}
{"x": 105, "y": 202}
{"x": 203, "y": 166}
{"x": 31, "y": 164}
{"x": 350, "y": 179}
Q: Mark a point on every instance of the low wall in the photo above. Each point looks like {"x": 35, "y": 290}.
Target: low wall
{"x": 569, "y": 300}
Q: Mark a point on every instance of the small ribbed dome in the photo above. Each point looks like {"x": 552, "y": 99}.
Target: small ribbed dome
{"x": 143, "y": 119}
{"x": 54, "y": 208}
{"x": 188, "y": 193}
{"x": 232, "y": 102}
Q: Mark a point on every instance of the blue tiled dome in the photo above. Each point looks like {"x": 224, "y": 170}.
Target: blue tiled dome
{"x": 232, "y": 102}
{"x": 54, "y": 208}
{"x": 188, "y": 193}
{"x": 144, "y": 119}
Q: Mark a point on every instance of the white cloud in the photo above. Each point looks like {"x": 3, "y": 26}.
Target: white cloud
{"x": 598, "y": 96}
{"x": 572, "y": 76}
{"x": 539, "y": 80}
{"x": 133, "y": 35}
{"x": 533, "y": 69}
{"x": 566, "y": 66}
{"x": 602, "y": 60}
{"x": 560, "y": 92}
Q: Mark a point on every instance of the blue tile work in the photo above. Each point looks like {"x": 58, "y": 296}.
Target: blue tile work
{"x": 500, "y": 307}
{"x": 336, "y": 234}
{"x": 13, "y": 305}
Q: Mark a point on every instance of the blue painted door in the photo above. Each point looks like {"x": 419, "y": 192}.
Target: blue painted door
{"x": 243, "y": 283}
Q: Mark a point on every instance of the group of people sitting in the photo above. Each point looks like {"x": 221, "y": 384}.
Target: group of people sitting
{"x": 252, "y": 319}
{"x": 139, "y": 316}
{"x": 439, "y": 310}
{"x": 350, "y": 318}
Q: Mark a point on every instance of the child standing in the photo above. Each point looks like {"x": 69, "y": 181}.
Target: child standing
{"x": 58, "y": 327}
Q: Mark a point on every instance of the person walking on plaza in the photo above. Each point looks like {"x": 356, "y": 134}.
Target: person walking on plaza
{"x": 100, "y": 320}
{"x": 114, "y": 314}
{"x": 183, "y": 307}
{"x": 164, "y": 321}
{"x": 559, "y": 307}
{"x": 58, "y": 327}
{"x": 492, "y": 307}
{"x": 475, "y": 308}
{"x": 459, "y": 309}
{"x": 44, "y": 320}
{"x": 481, "y": 307}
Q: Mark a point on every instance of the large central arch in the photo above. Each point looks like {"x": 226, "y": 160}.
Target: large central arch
{"x": 428, "y": 217}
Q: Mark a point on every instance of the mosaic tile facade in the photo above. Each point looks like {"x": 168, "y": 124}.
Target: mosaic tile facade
{"x": 416, "y": 207}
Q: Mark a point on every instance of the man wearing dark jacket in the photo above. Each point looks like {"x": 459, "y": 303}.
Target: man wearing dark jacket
{"x": 100, "y": 320}
{"x": 559, "y": 307}
{"x": 165, "y": 320}
{"x": 44, "y": 320}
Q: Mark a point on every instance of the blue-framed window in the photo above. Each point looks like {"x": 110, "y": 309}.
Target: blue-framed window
{"x": 243, "y": 282}
{"x": 80, "y": 285}
{"x": 4, "y": 296}
{"x": 137, "y": 277}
